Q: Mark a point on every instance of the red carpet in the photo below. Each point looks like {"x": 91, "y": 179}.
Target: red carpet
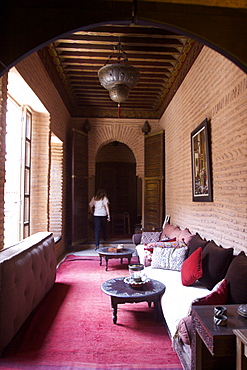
{"x": 72, "y": 328}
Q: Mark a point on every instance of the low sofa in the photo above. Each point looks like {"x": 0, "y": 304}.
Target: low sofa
{"x": 27, "y": 273}
{"x": 194, "y": 271}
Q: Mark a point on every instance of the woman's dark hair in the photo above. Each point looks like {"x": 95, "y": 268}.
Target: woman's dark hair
{"x": 101, "y": 193}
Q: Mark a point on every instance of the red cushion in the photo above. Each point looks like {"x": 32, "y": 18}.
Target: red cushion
{"x": 192, "y": 268}
{"x": 217, "y": 297}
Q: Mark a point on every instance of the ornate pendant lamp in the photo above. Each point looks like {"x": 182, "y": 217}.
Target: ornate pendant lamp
{"x": 118, "y": 78}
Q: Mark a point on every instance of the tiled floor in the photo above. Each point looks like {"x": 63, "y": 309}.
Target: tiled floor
{"x": 88, "y": 249}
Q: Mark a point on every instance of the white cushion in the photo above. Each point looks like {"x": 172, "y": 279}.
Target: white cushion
{"x": 177, "y": 299}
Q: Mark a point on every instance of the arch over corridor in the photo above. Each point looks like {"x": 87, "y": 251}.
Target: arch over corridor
{"x": 27, "y": 28}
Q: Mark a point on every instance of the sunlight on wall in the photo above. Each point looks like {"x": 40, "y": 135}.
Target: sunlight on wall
{"x": 20, "y": 96}
{"x": 19, "y": 90}
{"x": 56, "y": 186}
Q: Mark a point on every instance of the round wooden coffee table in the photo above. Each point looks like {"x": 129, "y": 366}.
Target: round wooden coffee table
{"x": 121, "y": 292}
{"x": 111, "y": 252}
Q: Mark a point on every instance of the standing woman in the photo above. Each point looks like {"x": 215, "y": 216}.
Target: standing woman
{"x": 99, "y": 206}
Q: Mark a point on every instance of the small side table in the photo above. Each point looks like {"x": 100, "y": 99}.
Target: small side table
{"x": 214, "y": 347}
{"x": 121, "y": 292}
{"x": 107, "y": 253}
{"x": 241, "y": 335}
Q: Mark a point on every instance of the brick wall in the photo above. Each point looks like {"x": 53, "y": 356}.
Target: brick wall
{"x": 55, "y": 189}
{"x": 215, "y": 89}
{"x": 104, "y": 131}
{"x": 40, "y": 166}
{"x": 3, "y": 107}
{"x": 59, "y": 125}
{"x": 126, "y": 131}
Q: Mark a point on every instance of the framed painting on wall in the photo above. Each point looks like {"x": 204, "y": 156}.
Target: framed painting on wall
{"x": 201, "y": 164}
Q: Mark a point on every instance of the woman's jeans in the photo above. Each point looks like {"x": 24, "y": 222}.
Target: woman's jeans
{"x": 99, "y": 225}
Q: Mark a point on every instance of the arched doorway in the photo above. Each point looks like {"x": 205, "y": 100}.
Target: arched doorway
{"x": 116, "y": 172}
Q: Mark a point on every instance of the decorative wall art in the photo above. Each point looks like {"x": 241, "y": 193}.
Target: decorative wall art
{"x": 201, "y": 164}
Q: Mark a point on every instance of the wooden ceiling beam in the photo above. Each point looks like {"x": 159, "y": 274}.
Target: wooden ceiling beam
{"x": 149, "y": 48}
{"x": 67, "y": 55}
{"x": 79, "y": 76}
{"x": 95, "y": 68}
{"x": 119, "y": 29}
{"x": 81, "y": 62}
{"x": 125, "y": 40}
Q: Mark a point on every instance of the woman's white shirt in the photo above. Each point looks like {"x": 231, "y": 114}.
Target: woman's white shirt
{"x": 99, "y": 206}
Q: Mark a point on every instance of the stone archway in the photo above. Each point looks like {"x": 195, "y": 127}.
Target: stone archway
{"x": 127, "y": 131}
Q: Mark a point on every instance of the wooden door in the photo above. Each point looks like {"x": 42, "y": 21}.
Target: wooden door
{"x": 79, "y": 219}
{"x": 154, "y": 181}
{"x": 119, "y": 180}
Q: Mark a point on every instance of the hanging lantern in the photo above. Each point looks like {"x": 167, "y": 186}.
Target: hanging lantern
{"x": 118, "y": 78}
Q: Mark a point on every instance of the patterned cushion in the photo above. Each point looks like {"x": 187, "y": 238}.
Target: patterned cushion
{"x": 166, "y": 244}
{"x": 168, "y": 258}
{"x": 150, "y": 236}
{"x": 147, "y": 257}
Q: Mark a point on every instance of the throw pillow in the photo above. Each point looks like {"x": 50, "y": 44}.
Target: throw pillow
{"x": 168, "y": 258}
{"x": 175, "y": 233}
{"x": 215, "y": 262}
{"x": 148, "y": 249}
{"x": 166, "y": 239}
{"x": 166, "y": 244}
{"x": 167, "y": 231}
{"x": 192, "y": 268}
{"x": 150, "y": 236}
{"x": 148, "y": 253}
{"x": 185, "y": 236}
{"x": 184, "y": 329}
{"x": 195, "y": 242}
{"x": 236, "y": 277}
{"x": 218, "y": 297}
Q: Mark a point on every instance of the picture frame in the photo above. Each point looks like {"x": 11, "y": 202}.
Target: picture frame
{"x": 201, "y": 163}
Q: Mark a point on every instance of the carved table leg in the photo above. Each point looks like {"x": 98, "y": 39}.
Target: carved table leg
{"x": 100, "y": 261}
{"x": 157, "y": 310}
{"x": 114, "y": 310}
{"x": 106, "y": 263}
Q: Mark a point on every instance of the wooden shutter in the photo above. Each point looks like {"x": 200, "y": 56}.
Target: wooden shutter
{"x": 79, "y": 215}
{"x": 154, "y": 181}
